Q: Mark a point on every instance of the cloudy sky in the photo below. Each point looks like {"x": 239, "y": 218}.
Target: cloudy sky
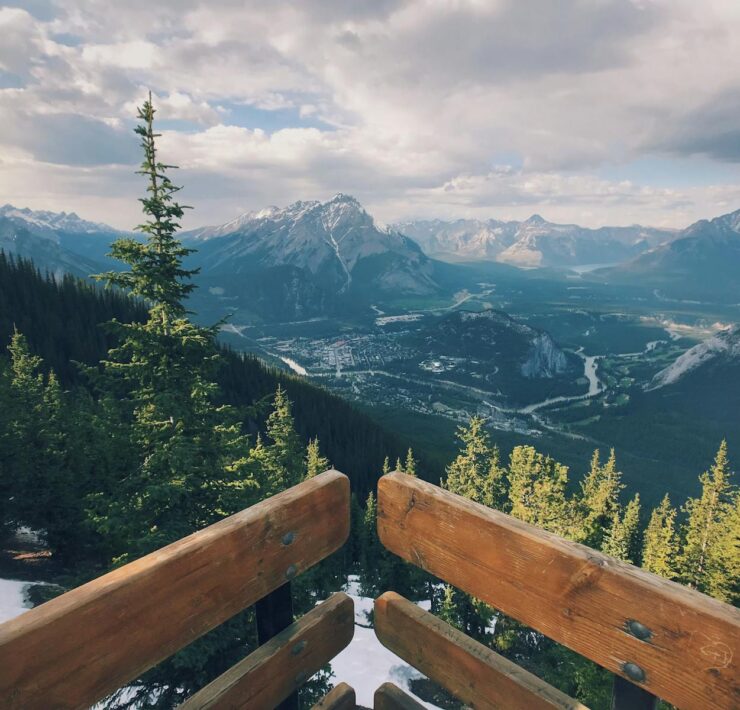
{"x": 588, "y": 111}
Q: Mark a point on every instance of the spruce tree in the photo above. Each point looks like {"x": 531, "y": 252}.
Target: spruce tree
{"x": 469, "y": 474}
{"x": 192, "y": 454}
{"x": 470, "y": 615}
{"x": 191, "y": 466}
{"x": 700, "y": 560}
{"x": 409, "y": 466}
{"x": 622, "y": 537}
{"x": 315, "y": 462}
{"x": 537, "y": 485}
{"x": 599, "y": 502}
{"x": 660, "y": 543}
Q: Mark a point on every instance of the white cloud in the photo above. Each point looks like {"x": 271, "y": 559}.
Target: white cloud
{"x": 409, "y": 105}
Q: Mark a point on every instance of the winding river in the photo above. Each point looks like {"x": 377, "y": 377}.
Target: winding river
{"x": 595, "y": 386}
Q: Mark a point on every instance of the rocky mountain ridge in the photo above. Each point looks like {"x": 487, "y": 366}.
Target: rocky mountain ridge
{"x": 534, "y": 242}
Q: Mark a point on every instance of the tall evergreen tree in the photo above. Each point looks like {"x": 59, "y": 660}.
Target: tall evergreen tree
{"x": 537, "y": 485}
{"x": 599, "y": 505}
{"x": 700, "y": 561}
{"x": 660, "y": 543}
{"x": 469, "y": 474}
{"x": 409, "y": 466}
{"x": 622, "y": 539}
{"x": 191, "y": 466}
{"x": 315, "y": 462}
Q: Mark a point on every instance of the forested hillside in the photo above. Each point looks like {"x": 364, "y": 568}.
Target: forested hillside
{"x": 64, "y": 323}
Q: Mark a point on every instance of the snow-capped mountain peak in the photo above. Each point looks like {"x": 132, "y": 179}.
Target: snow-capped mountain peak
{"x": 54, "y": 221}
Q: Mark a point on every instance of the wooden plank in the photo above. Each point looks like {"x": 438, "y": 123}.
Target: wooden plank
{"x": 391, "y": 697}
{"x": 78, "y": 648}
{"x": 274, "y": 671}
{"x": 469, "y": 670}
{"x": 572, "y": 594}
{"x": 341, "y": 697}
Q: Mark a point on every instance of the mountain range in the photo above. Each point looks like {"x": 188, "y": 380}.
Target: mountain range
{"x": 310, "y": 258}
{"x": 534, "y": 242}
{"x": 702, "y": 261}
{"x": 58, "y": 242}
{"x": 316, "y": 258}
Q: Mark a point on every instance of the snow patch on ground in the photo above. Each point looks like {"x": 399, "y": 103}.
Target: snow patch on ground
{"x": 13, "y": 598}
{"x": 366, "y": 664}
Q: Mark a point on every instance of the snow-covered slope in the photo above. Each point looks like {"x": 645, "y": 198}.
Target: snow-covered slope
{"x": 534, "y": 242}
{"x": 724, "y": 345}
{"x": 13, "y": 600}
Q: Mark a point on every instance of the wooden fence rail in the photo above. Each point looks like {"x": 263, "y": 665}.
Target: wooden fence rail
{"x": 78, "y": 648}
{"x": 469, "y": 670}
{"x": 672, "y": 641}
{"x": 278, "y": 668}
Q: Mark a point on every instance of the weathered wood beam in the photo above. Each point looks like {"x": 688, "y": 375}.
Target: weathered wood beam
{"x": 341, "y": 697}
{"x": 78, "y": 648}
{"x": 391, "y": 697}
{"x": 672, "y": 641}
{"x": 469, "y": 670}
{"x": 276, "y": 670}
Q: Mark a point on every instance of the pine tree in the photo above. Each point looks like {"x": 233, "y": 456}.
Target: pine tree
{"x": 192, "y": 454}
{"x": 277, "y": 458}
{"x": 409, "y": 466}
{"x": 537, "y": 486}
{"x": 660, "y": 543}
{"x": 191, "y": 466}
{"x": 700, "y": 560}
{"x": 622, "y": 537}
{"x": 386, "y": 466}
{"x": 315, "y": 462}
{"x": 599, "y": 503}
{"x": 727, "y": 584}
{"x": 469, "y": 474}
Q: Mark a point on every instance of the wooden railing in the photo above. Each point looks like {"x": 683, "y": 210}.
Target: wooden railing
{"x": 659, "y": 638}
{"x": 80, "y": 647}
{"x": 665, "y": 639}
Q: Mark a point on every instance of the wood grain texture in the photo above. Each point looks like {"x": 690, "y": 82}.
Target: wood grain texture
{"x": 340, "y": 697}
{"x": 391, "y": 697}
{"x": 78, "y": 648}
{"x": 469, "y": 670}
{"x": 275, "y": 670}
{"x": 571, "y": 593}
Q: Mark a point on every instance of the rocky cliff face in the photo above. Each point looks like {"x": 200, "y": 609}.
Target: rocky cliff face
{"x": 506, "y": 343}
{"x": 545, "y": 358}
{"x": 725, "y": 346}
